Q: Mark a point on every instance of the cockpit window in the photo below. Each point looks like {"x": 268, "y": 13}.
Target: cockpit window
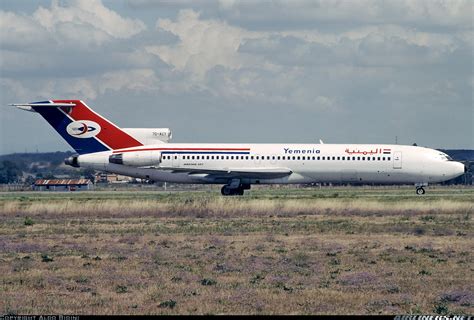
{"x": 445, "y": 157}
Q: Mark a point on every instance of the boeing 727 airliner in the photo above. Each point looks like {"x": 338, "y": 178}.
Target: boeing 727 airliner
{"x": 147, "y": 154}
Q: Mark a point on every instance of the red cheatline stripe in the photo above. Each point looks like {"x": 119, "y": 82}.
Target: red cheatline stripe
{"x": 186, "y": 149}
{"x": 110, "y": 134}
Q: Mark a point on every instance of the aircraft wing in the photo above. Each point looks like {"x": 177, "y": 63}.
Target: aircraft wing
{"x": 256, "y": 173}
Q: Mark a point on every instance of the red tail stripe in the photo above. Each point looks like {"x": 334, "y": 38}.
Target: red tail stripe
{"x": 187, "y": 149}
{"x": 110, "y": 134}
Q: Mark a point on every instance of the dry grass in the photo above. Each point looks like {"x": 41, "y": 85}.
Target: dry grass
{"x": 201, "y": 254}
{"x": 231, "y": 207}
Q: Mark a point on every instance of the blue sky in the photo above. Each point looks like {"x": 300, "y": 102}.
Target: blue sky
{"x": 244, "y": 71}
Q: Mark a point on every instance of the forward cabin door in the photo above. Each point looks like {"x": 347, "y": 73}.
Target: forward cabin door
{"x": 397, "y": 160}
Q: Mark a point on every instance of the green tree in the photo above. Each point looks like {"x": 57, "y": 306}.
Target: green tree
{"x": 9, "y": 172}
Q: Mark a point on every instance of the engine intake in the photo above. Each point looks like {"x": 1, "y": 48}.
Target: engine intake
{"x": 136, "y": 158}
{"x": 116, "y": 158}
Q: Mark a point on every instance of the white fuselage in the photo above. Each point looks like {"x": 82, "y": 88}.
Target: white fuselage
{"x": 308, "y": 163}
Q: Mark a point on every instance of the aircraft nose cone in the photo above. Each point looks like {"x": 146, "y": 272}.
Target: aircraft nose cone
{"x": 459, "y": 169}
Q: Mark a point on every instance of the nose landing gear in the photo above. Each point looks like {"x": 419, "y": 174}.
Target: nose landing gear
{"x": 420, "y": 191}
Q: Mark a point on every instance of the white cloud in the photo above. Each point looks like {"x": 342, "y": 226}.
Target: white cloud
{"x": 89, "y": 16}
{"x": 83, "y": 23}
{"x": 134, "y": 80}
{"x": 203, "y": 44}
{"x": 20, "y": 31}
{"x": 349, "y": 60}
{"x": 15, "y": 88}
{"x": 138, "y": 80}
{"x": 348, "y": 14}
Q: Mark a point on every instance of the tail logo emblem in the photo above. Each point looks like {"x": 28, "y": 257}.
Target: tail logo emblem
{"x": 83, "y": 129}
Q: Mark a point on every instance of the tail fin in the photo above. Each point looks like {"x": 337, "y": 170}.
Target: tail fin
{"x": 85, "y": 130}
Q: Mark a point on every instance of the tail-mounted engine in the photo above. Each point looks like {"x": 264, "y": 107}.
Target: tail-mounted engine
{"x": 72, "y": 161}
{"x": 136, "y": 159}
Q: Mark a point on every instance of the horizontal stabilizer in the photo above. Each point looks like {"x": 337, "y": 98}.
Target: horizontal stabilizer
{"x": 29, "y": 106}
{"x": 43, "y": 104}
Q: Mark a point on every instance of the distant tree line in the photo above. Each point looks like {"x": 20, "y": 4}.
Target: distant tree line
{"x": 9, "y": 172}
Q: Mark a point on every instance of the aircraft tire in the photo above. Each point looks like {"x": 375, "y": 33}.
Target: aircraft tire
{"x": 420, "y": 191}
{"x": 226, "y": 191}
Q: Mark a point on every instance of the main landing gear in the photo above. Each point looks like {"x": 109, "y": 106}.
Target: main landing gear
{"x": 228, "y": 191}
{"x": 234, "y": 188}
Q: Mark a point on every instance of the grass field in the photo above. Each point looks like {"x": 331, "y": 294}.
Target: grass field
{"x": 275, "y": 250}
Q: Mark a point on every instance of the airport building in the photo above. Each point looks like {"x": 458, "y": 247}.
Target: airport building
{"x": 63, "y": 185}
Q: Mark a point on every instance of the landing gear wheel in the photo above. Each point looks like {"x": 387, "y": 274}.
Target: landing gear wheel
{"x": 420, "y": 191}
{"x": 226, "y": 191}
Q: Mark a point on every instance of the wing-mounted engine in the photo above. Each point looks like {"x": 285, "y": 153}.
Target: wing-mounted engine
{"x": 150, "y": 135}
{"x": 136, "y": 159}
